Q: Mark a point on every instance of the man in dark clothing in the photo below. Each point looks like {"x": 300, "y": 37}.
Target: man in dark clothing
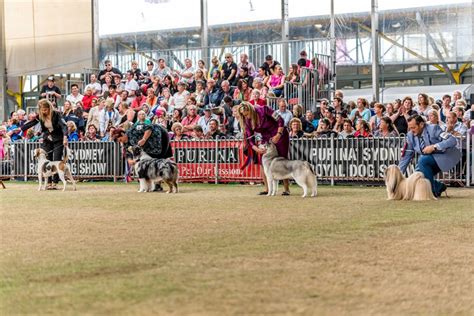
{"x": 269, "y": 65}
{"x": 109, "y": 70}
{"x": 50, "y": 91}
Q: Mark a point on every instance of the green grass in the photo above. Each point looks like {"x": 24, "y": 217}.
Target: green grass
{"x": 106, "y": 249}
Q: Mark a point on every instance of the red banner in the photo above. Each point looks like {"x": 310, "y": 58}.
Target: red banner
{"x": 199, "y": 160}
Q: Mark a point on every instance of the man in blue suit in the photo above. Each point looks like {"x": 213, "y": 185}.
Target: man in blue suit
{"x": 436, "y": 148}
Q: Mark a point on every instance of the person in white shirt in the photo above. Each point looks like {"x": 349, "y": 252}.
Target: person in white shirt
{"x": 283, "y": 111}
{"x": 75, "y": 96}
{"x": 94, "y": 85}
{"x": 180, "y": 97}
{"x": 204, "y": 120}
{"x": 131, "y": 85}
{"x": 244, "y": 62}
{"x": 188, "y": 73}
{"x": 109, "y": 116}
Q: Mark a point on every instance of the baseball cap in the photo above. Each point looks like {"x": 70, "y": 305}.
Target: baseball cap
{"x": 51, "y": 78}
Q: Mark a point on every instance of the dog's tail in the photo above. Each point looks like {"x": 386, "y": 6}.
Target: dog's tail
{"x": 67, "y": 154}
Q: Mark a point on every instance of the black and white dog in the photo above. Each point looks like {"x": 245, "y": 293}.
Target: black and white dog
{"x": 48, "y": 168}
{"x": 153, "y": 170}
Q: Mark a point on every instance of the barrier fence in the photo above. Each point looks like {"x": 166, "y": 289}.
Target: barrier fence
{"x": 352, "y": 160}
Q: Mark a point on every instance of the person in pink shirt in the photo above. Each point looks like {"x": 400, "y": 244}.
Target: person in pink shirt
{"x": 190, "y": 120}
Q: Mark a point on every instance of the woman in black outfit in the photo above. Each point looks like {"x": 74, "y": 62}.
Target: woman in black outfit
{"x": 54, "y": 131}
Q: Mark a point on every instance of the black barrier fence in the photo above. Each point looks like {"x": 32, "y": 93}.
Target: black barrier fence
{"x": 352, "y": 160}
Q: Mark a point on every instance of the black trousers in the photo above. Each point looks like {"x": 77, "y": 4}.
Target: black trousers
{"x": 54, "y": 151}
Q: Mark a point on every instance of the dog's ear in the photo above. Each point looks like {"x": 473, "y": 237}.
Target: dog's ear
{"x": 391, "y": 178}
{"x": 37, "y": 152}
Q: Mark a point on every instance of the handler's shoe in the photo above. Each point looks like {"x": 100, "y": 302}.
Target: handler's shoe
{"x": 158, "y": 188}
{"x": 263, "y": 193}
{"x": 443, "y": 189}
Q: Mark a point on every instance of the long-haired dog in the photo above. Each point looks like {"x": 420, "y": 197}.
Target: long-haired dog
{"x": 153, "y": 170}
{"x": 48, "y": 168}
{"x": 278, "y": 168}
{"x": 416, "y": 187}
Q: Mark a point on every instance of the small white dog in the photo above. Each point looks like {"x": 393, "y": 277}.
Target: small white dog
{"x": 278, "y": 168}
{"x": 416, "y": 187}
{"x": 48, "y": 168}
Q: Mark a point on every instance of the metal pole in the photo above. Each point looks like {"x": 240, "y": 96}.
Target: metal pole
{"x": 3, "y": 66}
{"x": 285, "y": 35}
{"x": 95, "y": 33}
{"x": 333, "y": 52}
{"x": 204, "y": 34}
{"x": 375, "y": 50}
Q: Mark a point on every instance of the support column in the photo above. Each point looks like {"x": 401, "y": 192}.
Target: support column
{"x": 205, "y": 35}
{"x": 285, "y": 36}
{"x": 375, "y": 50}
{"x": 3, "y": 66}
{"x": 333, "y": 52}
{"x": 95, "y": 34}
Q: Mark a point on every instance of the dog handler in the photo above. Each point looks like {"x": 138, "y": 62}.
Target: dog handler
{"x": 437, "y": 150}
{"x": 263, "y": 120}
{"x": 54, "y": 131}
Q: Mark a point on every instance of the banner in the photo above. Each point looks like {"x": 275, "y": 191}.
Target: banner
{"x": 349, "y": 159}
{"x": 199, "y": 160}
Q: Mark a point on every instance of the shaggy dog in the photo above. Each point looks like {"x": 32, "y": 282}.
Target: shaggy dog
{"x": 48, "y": 168}
{"x": 153, "y": 170}
{"x": 278, "y": 168}
{"x": 416, "y": 187}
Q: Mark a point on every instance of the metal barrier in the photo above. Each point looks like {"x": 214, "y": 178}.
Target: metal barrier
{"x": 335, "y": 160}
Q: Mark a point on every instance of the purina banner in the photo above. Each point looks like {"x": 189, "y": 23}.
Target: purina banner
{"x": 355, "y": 158}
{"x": 199, "y": 160}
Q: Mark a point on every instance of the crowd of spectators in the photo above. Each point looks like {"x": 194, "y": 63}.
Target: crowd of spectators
{"x": 199, "y": 103}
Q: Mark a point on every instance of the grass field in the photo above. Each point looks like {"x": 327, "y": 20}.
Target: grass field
{"x": 219, "y": 250}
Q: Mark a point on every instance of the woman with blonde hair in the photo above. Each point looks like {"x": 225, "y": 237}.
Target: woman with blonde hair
{"x": 54, "y": 131}
{"x": 177, "y": 130}
{"x": 262, "y": 120}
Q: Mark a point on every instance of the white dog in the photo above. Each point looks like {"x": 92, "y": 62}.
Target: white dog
{"x": 416, "y": 187}
{"x": 48, "y": 168}
{"x": 278, "y": 168}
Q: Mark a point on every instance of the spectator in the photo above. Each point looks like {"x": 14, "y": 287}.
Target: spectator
{"x": 296, "y": 128}
{"x": 177, "y": 130}
{"x": 199, "y": 76}
{"x": 233, "y": 125}
{"x": 109, "y": 71}
{"x": 200, "y": 93}
{"x": 198, "y": 133}
{"x": 205, "y": 119}
{"x": 50, "y": 91}
{"x": 202, "y": 67}
{"x": 361, "y": 112}
{"x": 113, "y": 93}
{"x": 131, "y": 85}
{"x": 457, "y": 95}
{"x": 262, "y": 76}
{"x": 106, "y": 85}
{"x": 72, "y": 135}
{"x": 180, "y": 97}
{"x": 13, "y": 129}
{"x": 94, "y": 85}
{"x": 298, "y": 113}
{"x": 304, "y": 56}
{"x": 4, "y": 141}
{"x": 229, "y": 69}
{"x": 151, "y": 99}
{"x": 262, "y": 90}
{"x": 340, "y": 119}
{"x": 433, "y": 118}
{"x": 323, "y": 107}
{"x": 188, "y": 73}
{"x": 377, "y": 118}
{"x": 276, "y": 82}
{"x": 454, "y": 127}
{"x": 329, "y": 115}
{"x": 312, "y": 120}
{"x": 445, "y": 107}
{"x": 68, "y": 112}
{"x": 166, "y": 96}
{"x": 136, "y": 71}
{"x": 423, "y": 106}
{"x": 142, "y": 119}
{"x": 337, "y": 104}
{"x": 190, "y": 120}
{"x": 362, "y": 129}
{"x": 386, "y": 128}
{"x": 109, "y": 116}
{"x": 177, "y": 117}
{"x": 87, "y": 99}
{"x": 293, "y": 74}
{"x": 94, "y": 113}
{"x": 215, "y": 67}
{"x": 119, "y": 85}
{"x": 91, "y": 134}
{"x": 283, "y": 111}
{"x": 213, "y": 131}
{"x": 147, "y": 76}
{"x": 243, "y": 91}
{"x": 138, "y": 102}
{"x": 75, "y": 96}
{"x": 244, "y": 74}
{"x": 244, "y": 62}
{"x": 160, "y": 118}
{"x": 269, "y": 65}
{"x": 324, "y": 129}
{"x": 347, "y": 130}
{"x": 124, "y": 97}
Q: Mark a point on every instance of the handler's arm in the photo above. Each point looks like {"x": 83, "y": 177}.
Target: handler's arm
{"x": 447, "y": 140}
{"x": 407, "y": 156}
